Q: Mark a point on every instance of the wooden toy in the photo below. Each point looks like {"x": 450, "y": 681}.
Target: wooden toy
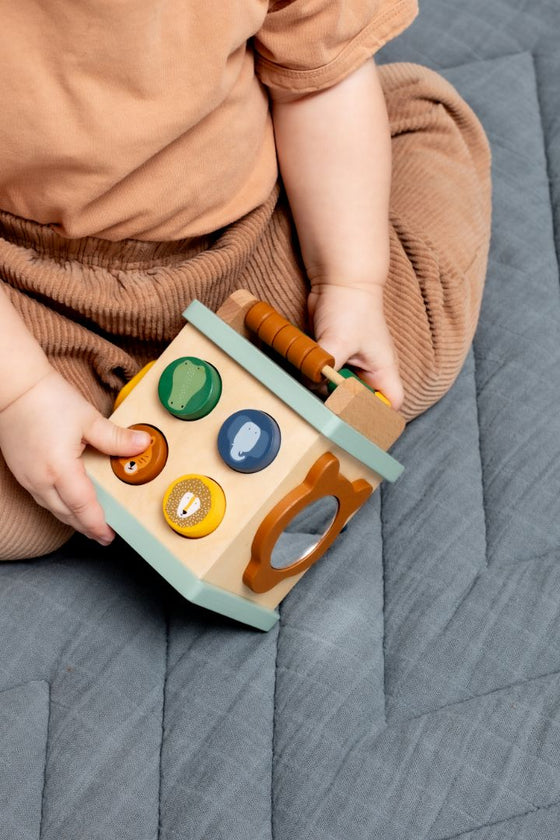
{"x": 240, "y": 448}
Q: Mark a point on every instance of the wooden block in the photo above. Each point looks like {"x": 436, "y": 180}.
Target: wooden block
{"x": 234, "y": 309}
{"x": 360, "y": 408}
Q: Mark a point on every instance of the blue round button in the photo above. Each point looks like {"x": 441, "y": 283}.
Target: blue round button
{"x": 249, "y": 440}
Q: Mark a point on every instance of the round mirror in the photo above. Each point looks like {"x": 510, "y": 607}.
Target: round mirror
{"x": 304, "y": 532}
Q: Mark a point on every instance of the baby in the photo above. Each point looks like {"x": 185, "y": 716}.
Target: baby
{"x": 139, "y": 168}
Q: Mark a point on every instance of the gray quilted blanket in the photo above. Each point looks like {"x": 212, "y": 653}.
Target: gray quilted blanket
{"x": 411, "y": 690}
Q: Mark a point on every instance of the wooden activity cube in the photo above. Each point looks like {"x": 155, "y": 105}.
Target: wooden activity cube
{"x": 335, "y": 448}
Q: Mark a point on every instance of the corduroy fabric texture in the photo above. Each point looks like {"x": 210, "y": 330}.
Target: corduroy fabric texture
{"x": 101, "y": 309}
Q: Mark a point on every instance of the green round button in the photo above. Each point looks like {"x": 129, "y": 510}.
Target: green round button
{"x": 189, "y": 388}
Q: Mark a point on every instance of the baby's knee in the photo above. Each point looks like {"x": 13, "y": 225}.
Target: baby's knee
{"x": 426, "y": 389}
{"x": 29, "y": 544}
{"x": 26, "y": 530}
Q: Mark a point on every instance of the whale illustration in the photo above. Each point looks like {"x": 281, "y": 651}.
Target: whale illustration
{"x": 245, "y": 441}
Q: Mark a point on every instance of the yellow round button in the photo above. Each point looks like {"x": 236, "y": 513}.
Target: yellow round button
{"x": 131, "y": 384}
{"x": 194, "y": 505}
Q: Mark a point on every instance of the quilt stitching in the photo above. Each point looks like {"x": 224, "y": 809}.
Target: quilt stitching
{"x": 491, "y": 824}
{"x": 359, "y": 740}
{"x": 273, "y": 727}
{"x": 163, "y": 708}
{"x": 384, "y": 585}
{"x": 43, "y": 794}
{"x": 552, "y": 181}
{"x": 463, "y": 599}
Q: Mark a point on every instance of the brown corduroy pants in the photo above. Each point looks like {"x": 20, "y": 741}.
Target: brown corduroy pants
{"x": 102, "y": 309}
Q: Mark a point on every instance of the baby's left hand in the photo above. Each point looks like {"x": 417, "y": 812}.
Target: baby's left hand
{"x": 349, "y": 323}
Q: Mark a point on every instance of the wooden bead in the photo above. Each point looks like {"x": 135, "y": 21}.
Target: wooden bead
{"x": 314, "y": 362}
{"x": 257, "y": 314}
{"x": 299, "y": 349}
{"x": 284, "y": 338}
{"x": 271, "y": 326}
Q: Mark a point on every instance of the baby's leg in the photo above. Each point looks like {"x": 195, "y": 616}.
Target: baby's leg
{"x": 440, "y": 229}
{"x": 26, "y": 530}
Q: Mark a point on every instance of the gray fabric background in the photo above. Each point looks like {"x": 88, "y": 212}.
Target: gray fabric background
{"x": 412, "y": 688}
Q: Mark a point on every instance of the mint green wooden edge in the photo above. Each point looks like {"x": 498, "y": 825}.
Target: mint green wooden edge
{"x": 184, "y": 581}
{"x": 295, "y": 395}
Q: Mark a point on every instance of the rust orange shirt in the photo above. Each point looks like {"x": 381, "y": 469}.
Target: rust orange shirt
{"x": 149, "y": 119}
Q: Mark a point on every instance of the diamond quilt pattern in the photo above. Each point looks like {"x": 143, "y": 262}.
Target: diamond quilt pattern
{"x": 412, "y": 688}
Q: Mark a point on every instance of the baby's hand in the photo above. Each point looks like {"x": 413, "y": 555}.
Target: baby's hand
{"x": 42, "y": 436}
{"x": 349, "y": 323}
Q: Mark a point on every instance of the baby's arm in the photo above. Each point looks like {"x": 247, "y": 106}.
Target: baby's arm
{"x": 45, "y": 425}
{"x": 334, "y": 151}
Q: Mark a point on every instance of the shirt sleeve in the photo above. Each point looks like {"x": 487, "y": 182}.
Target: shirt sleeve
{"x": 309, "y": 45}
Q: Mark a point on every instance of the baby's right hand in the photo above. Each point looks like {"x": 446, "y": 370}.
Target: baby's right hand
{"x": 42, "y": 436}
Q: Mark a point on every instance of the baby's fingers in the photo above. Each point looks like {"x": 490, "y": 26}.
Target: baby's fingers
{"x": 79, "y": 507}
{"x": 388, "y": 381}
{"x": 111, "y": 439}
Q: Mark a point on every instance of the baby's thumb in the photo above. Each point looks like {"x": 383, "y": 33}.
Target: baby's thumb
{"x": 111, "y": 439}
{"x": 336, "y": 346}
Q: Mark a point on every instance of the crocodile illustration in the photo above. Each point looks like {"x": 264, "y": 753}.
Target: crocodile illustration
{"x": 188, "y": 379}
